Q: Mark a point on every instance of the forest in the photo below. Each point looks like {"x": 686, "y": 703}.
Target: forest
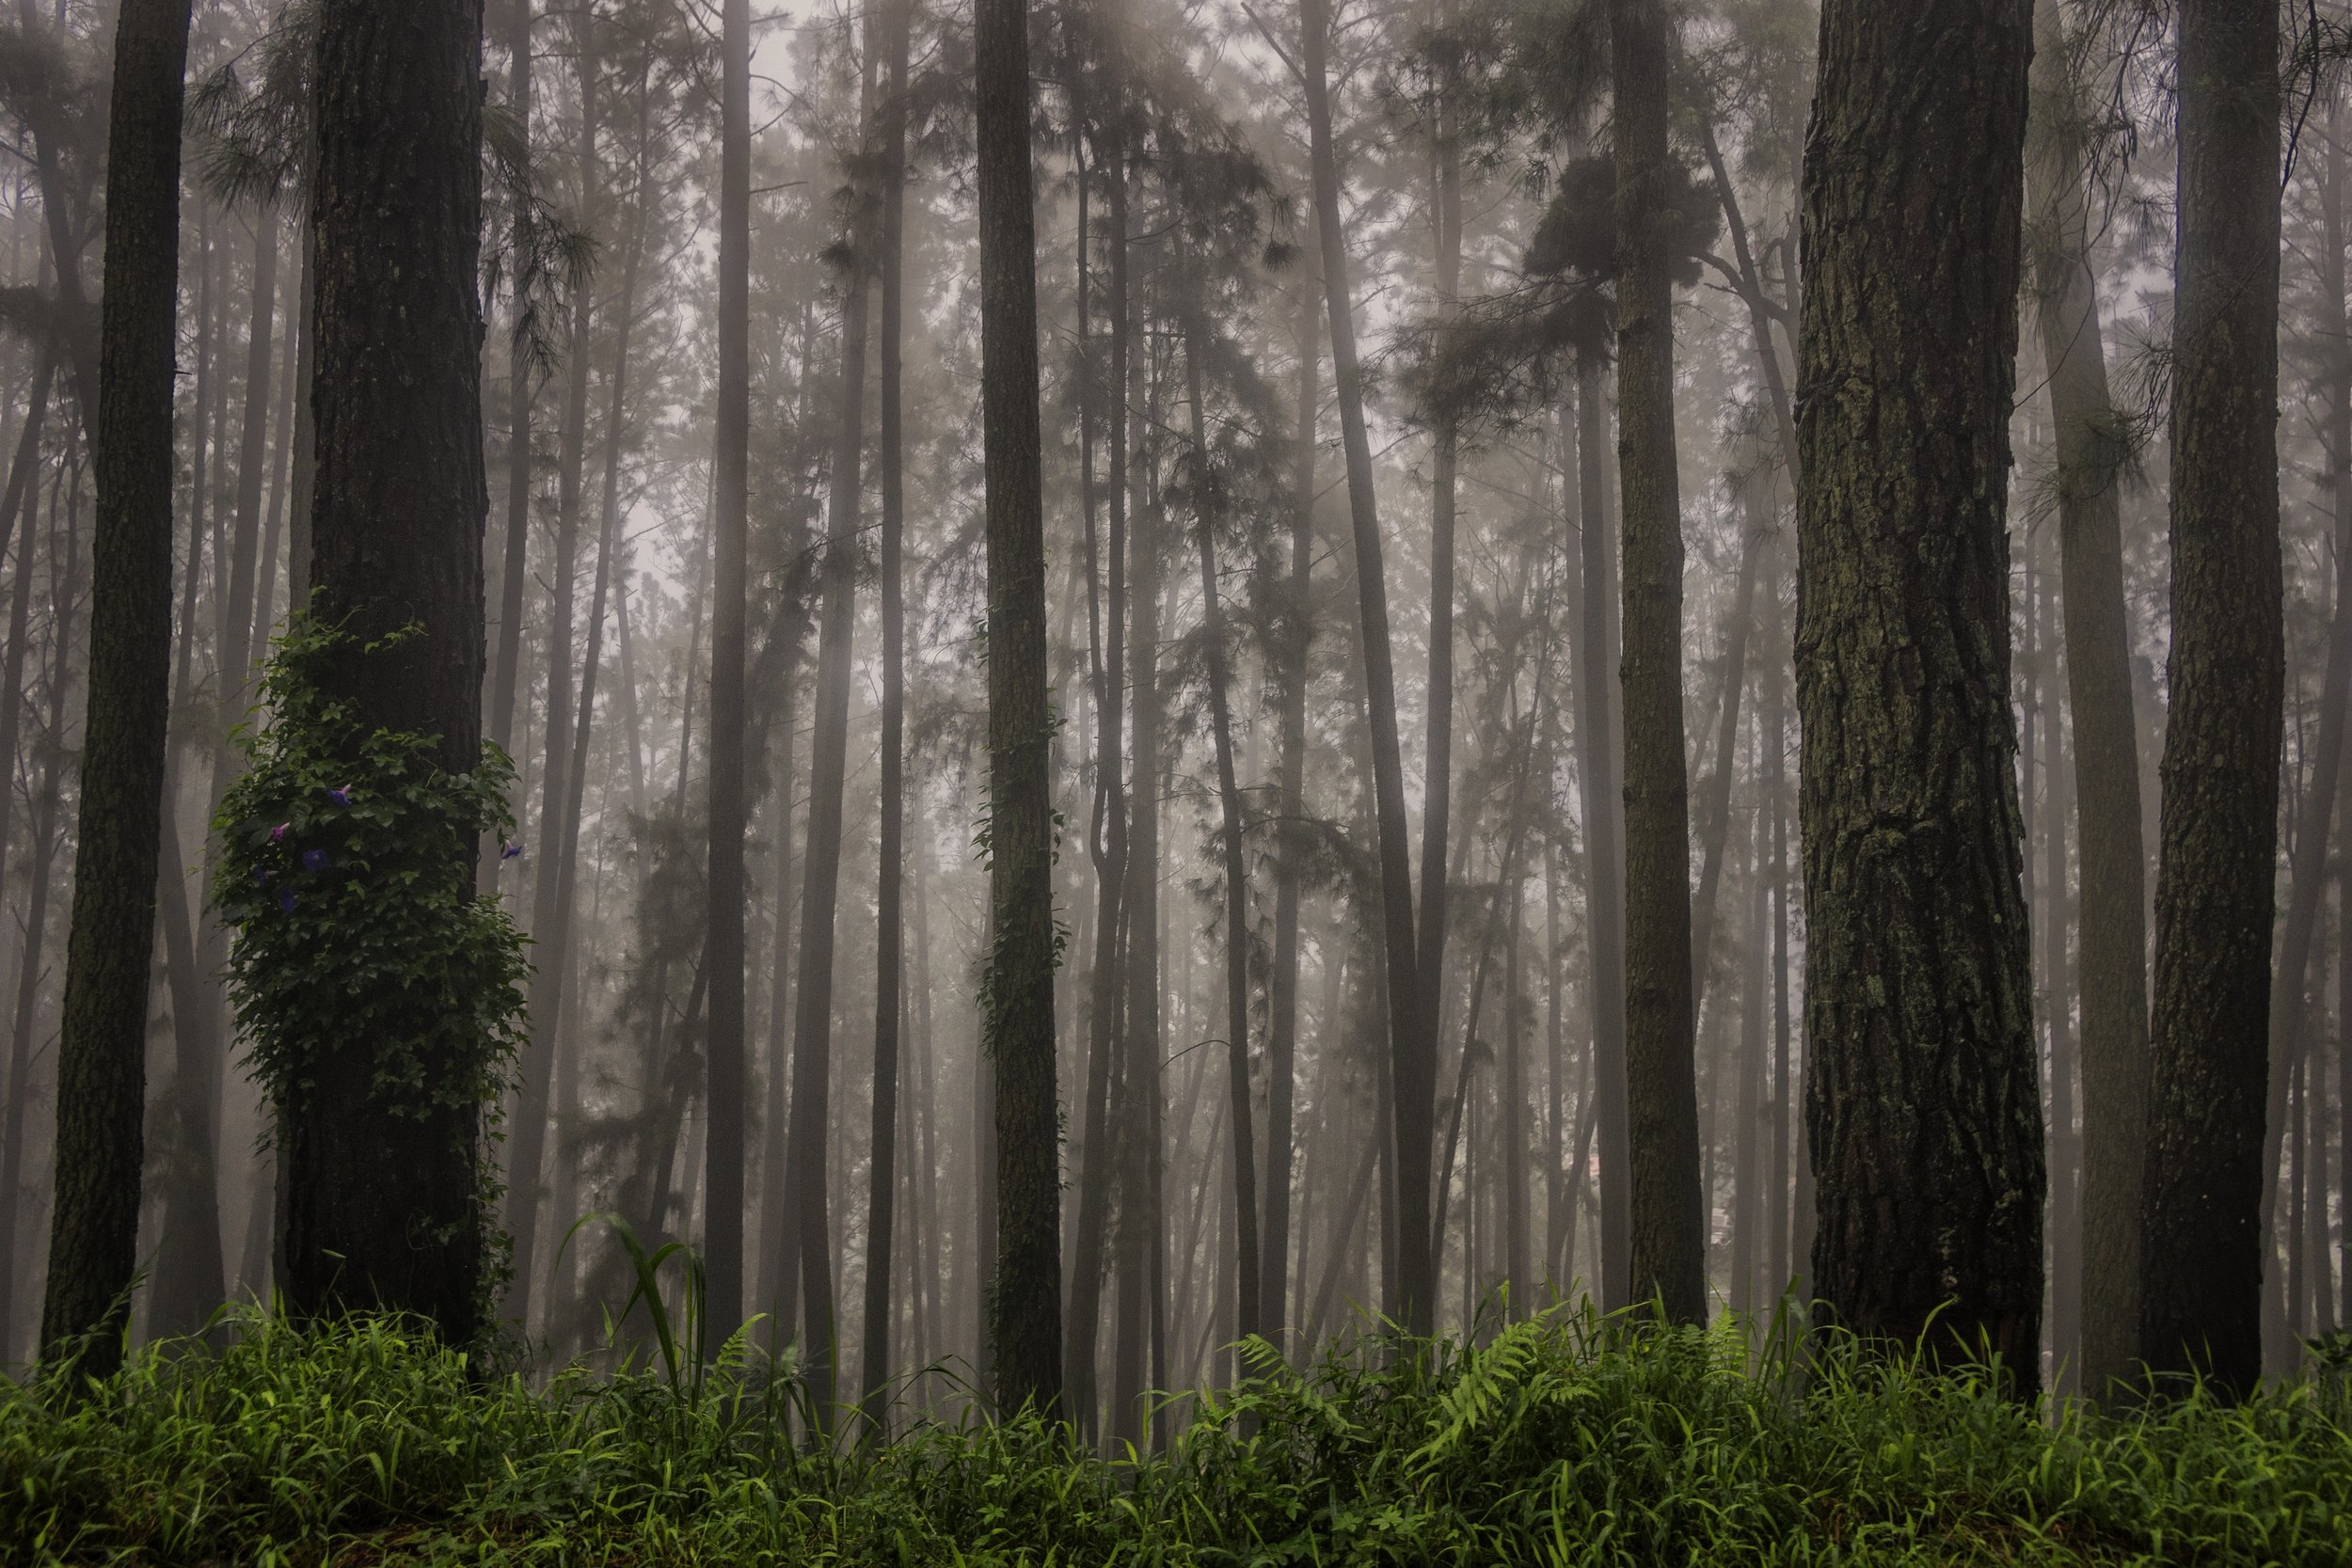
{"x": 1196, "y": 781}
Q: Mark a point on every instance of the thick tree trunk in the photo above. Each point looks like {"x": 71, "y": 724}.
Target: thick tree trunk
{"x": 1018, "y": 1022}
{"x": 1922, "y": 1094}
{"x": 102, "y": 1045}
{"x": 890, "y": 933}
{"x": 1411, "y": 1047}
{"x": 1669, "y": 1238}
{"x": 2113, "y": 953}
{"x": 383, "y": 1205}
{"x": 2202, "y": 1212}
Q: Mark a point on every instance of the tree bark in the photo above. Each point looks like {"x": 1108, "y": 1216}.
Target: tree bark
{"x": 1411, "y": 1047}
{"x": 102, "y": 1045}
{"x": 382, "y": 1205}
{"x": 1248, "y": 1297}
{"x": 1101, "y": 1163}
{"x": 2113, "y": 952}
{"x": 890, "y": 932}
{"x": 1018, "y": 1021}
{"x": 723, "y": 958}
{"x": 1599, "y": 771}
{"x": 1297, "y": 628}
{"x": 523, "y": 386}
{"x": 1922, "y": 1101}
{"x": 1669, "y": 1225}
{"x": 2202, "y": 1213}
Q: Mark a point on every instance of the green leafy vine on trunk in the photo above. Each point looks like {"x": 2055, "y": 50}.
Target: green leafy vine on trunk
{"x": 343, "y": 864}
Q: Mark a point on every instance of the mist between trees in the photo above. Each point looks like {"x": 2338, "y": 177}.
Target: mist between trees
{"x": 1210, "y": 669}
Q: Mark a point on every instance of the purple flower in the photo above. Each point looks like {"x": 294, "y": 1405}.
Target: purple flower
{"x": 261, "y": 875}
{"x": 278, "y": 834}
{"x": 340, "y": 797}
{"x": 314, "y": 860}
{"x": 509, "y": 851}
{"x": 286, "y": 900}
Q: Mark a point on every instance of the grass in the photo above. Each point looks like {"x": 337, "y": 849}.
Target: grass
{"x": 1563, "y": 1441}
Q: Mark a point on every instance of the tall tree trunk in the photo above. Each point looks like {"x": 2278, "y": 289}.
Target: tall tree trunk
{"x": 1669, "y": 1238}
{"x": 890, "y": 931}
{"x": 102, "y": 1045}
{"x": 1411, "y": 1047}
{"x": 1779, "y": 1260}
{"x": 382, "y": 1203}
{"x": 2112, "y": 957}
{"x": 1025, "y": 1305}
{"x": 527, "y": 1156}
{"x": 2063, "y": 1221}
{"x": 812, "y": 1024}
{"x": 1600, "y": 769}
{"x": 1922, "y": 1094}
{"x": 1109, "y": 850}
{"x": 2203, "y": 1215}
{"x": 723, "y": 958}
{"x": 1755, "y": 505}
{"x": 1437, "y": 768}
{"x": 1250, "y": 1295}
{"x": 523, "y": 386}
{"x": 64, "y": 584}
{"x": 23, "y": 487}
{"x": 1297, "y": 633}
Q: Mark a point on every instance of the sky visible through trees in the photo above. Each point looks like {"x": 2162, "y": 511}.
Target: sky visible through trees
{"x": 1171, "y": 670}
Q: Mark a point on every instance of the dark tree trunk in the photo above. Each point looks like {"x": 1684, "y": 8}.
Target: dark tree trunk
{"x": 2113, "y": 953}
{"x": 383, "y": 1205}
{"x": 2203, "y": 1241}
{"x": 1024, "y": 1326}
{"x": 1669, "y": 1236}
{"x": 1923, "y": 1101}
{"x": 1600, "y": 769}
{"x": 1411, "y": 1047}
{"x": 890, "y": 932}
{"x": 1109, "y": 851}
{"x": 1249, "y": 1295}
{"x": 1298, "y": 629}
{"x": 723, "y": 958}
{"x": 522, "y": 385}
{"x": 102, "y": 1045}
{"x": 1139, "y": 1086}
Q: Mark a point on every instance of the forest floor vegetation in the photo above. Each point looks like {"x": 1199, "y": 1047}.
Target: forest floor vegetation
{"x": 1559, "y": 1441}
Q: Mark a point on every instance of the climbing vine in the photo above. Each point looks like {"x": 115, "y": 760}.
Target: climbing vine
{"x": 343, "y": 865}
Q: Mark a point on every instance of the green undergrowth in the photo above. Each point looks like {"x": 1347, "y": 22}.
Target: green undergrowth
{"x": 1561, "y": 1441}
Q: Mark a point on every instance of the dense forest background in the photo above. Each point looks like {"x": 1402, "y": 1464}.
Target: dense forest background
{"x": 1307, "y": 282}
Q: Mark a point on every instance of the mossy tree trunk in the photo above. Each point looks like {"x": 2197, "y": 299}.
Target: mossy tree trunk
{"x": 1922, "y": 1102}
